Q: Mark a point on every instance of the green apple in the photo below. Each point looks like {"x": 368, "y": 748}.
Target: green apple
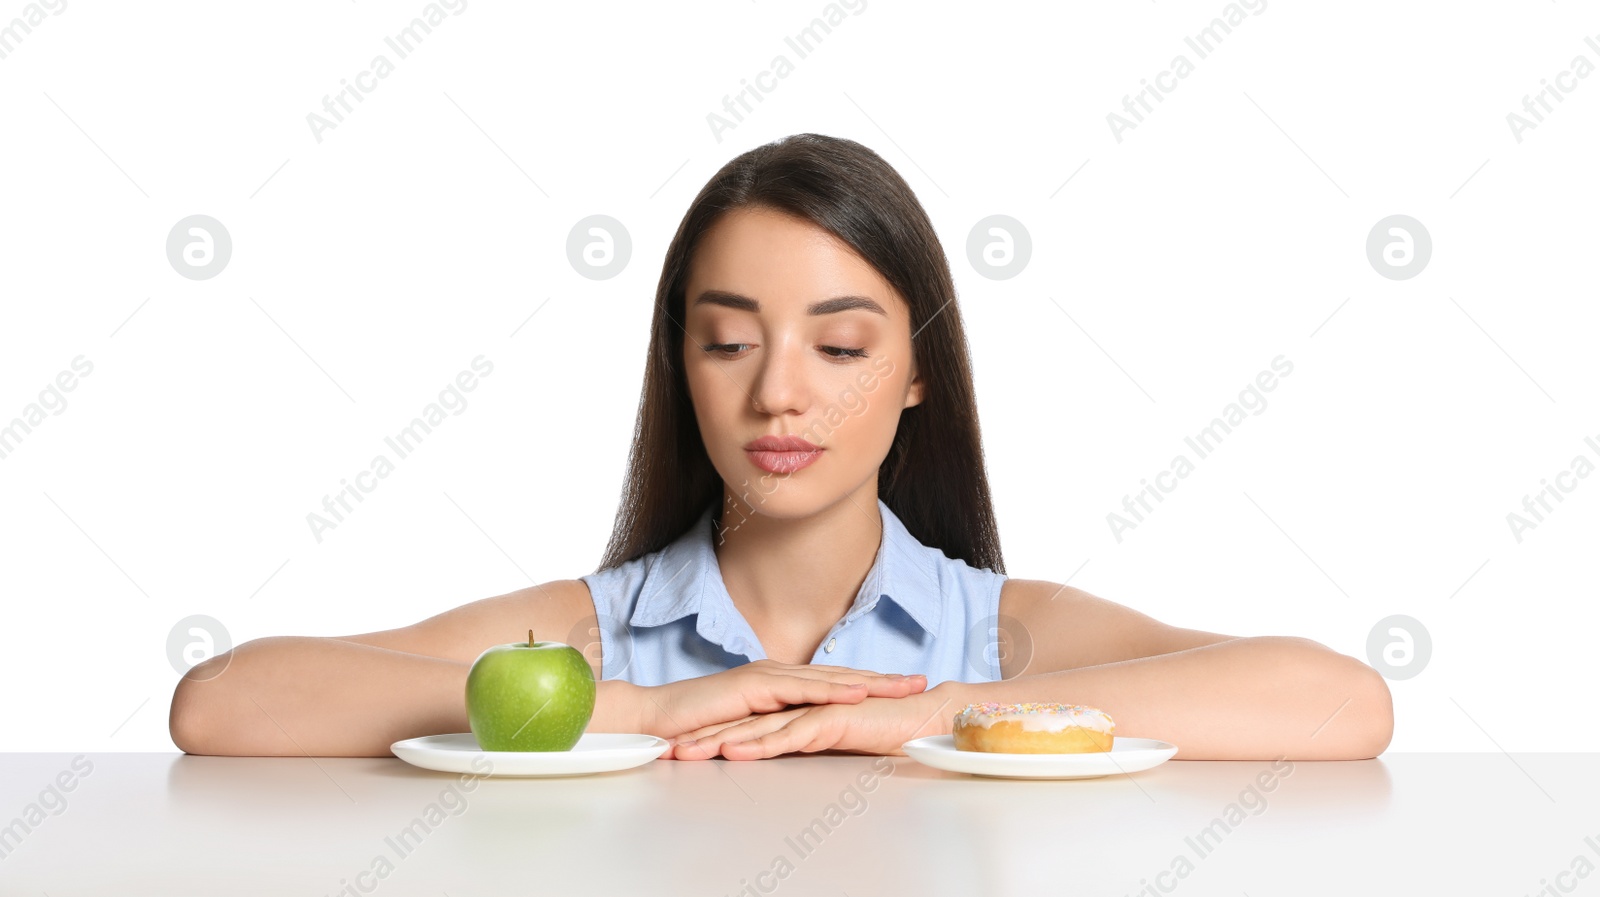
{"x": 530, "y": 696}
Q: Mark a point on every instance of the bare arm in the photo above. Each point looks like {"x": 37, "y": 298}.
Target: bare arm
{"x": 1261, "y": 697}
{"x": 354, "y": 696}
{"x": 1057, "y": 627}
{"x": 1256, "y": 698}
{"x": 1217, "y": 697}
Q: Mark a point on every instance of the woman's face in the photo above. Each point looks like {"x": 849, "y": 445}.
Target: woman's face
{"x": 790, "y": 333}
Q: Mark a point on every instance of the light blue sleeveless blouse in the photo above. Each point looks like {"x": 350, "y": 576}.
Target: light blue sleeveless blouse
{"x": 667, "y": 616}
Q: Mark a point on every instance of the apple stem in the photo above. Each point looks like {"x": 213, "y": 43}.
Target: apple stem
{"x": 530, "y": 638}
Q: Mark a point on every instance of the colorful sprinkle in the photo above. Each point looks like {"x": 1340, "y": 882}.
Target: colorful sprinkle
{"x": 1040, "y": 708}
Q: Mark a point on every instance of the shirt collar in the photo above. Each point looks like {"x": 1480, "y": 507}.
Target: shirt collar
{"x": 686, "y": 579}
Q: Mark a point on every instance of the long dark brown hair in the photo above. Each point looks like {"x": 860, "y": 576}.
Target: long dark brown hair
{"x": 933, "y": 477}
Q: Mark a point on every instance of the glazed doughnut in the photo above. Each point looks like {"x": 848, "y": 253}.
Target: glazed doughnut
{"x": 1032, "y": 728}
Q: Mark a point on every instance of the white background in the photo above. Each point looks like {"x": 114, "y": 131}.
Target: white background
{"x": 1168, "y": 269}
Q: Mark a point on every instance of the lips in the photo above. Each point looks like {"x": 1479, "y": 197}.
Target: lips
{"x": 782, "y": 454}
{"x": 780, "y": 444}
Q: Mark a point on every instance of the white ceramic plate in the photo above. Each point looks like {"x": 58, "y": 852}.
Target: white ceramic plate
{"x": 1126, "y": 755}
{"x": 594, "y": 752}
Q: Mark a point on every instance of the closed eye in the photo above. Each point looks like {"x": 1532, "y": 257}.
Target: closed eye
{"x": 729, "y": 350}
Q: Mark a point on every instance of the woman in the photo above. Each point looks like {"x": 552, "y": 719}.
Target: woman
{"x": 807, "y": 460}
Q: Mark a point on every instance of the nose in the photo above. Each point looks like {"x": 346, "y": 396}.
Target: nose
{"x": 780, "y": 386}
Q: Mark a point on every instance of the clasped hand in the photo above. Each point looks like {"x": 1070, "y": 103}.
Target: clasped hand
{"x": 766, "y": 708}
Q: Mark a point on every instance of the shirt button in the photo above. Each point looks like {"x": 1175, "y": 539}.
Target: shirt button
{"x": 829, "y": 646}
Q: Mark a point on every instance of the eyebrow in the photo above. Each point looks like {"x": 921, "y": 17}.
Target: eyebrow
{"x": 823, "y": 307}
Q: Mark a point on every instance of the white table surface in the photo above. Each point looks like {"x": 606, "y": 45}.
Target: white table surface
{"x": 174, "y": 824}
